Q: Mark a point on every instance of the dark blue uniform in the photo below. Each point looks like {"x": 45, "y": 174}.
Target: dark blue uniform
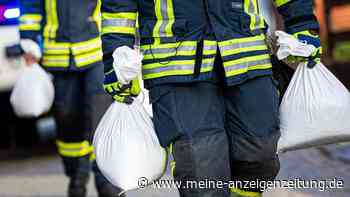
{"x": 207, "y": 66}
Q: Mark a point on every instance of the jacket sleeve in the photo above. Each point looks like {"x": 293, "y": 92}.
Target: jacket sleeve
{"x": 30, "y": 21}
{"x": 298, "y": 15}
{"x": 118, "y": 27}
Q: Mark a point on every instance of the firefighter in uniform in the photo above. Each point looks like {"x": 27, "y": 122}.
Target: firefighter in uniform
{"x": 69, "y": 35}
{"x": 208, "y": 69}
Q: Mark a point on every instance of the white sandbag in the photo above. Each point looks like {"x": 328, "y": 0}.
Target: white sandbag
{"x": 127, "y": 64}
{"x": 126, "y": 146}
{"x": 315, "y": 109}
{"x": 33, "y": 93}
{"x": 9, "y": 67}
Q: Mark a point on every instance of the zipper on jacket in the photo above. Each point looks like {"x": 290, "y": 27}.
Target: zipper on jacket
{"x": 200, "y": 43}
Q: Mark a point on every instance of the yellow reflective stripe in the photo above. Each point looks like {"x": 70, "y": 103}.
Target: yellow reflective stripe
{"x": 121, "y": 30}
{"x": 168, "y": 45}
{"x": 245, "y": 193}
{"x": 281, "y": 2}
{"x": 121, "y": 15}
{"x": 73, "y": 149}
{"x": 30, "y": 22}
{"x": 54, "y": 48}
{"x": 243, "y": 50}
{"x": 164, "y": 10}
{"x": 51, "y": 19}
{"x": 32, "y": 27}
{"x": 234, "y": 72}
{"x": 158, "y": 12}
{"x": 181, "y": 67}
{"x": 30, "y": 17}
{"x": 185, "y": 48}
{"x": 55, "y": 61}
{"x": 86, "y": 46}
{"x": 96, "y": 16}
{"x": 210, "y": 47}
{"x": 256, "y": 19}
{"x": 92, "y": 153}
{"x": 171, "y": 18}
{"x": 171, "y": 63}
{"x": 246, "y": 59}
{"x": 89, "y": 58}
{"x": 165, "y": 55}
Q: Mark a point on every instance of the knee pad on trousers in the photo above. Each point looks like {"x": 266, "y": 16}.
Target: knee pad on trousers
{"x": 256, "y": 171}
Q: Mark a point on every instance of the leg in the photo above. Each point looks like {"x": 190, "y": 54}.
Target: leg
{"x": 193, "y": 115}
{"x": 253, "y": 128}
{"x": 96, "y": 102}
{"x": 71, "y": 138}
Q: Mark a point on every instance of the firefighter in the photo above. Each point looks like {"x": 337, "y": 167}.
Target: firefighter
{"x": 208, "y": 70}
{"x": 68, "y": 32}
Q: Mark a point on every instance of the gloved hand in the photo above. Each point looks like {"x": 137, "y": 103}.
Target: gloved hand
{"x": 32, "y": 51}
{"x": 311, "y": 38}
{"x": 123, "y": 93}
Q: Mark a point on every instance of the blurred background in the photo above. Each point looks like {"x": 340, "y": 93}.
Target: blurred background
{"x": 30, "y": 166}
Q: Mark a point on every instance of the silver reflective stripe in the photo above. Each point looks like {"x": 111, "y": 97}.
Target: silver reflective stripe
{"x": 168, "y": 68}
{"x": 246, "y": 64}
{"x": 243, "y": 45}
{"x": 208, "y": 64}
{"x": 175, "y": 67}
{"x": 29, "y": 22}
{"x": 255, "y": 13}
{"x": 169, "y": 50}
{"x": 91, "y": 57}
{"x": 88, "y": 46}
{"x": 119, "y": 23}
{"x": 164, "y": 11}
{"x": 210, "y": 48}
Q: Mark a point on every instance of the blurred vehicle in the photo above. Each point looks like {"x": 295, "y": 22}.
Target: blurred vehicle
{"x": 15, "y": 131}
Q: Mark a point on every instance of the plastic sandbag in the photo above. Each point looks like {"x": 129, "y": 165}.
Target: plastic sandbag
{"x": 33, "y": 93}
{"x": 126, "y": 146}
{"x": 315, "y": 109}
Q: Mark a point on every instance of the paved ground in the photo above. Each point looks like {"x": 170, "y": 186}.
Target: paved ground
{"x": 41, "y": 176}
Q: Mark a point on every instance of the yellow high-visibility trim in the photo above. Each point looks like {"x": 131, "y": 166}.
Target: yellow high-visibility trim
{"x": 169, "y": 45}
{"x": 158, "y": 12}
{"x": 176, "y": 72}
{"x": 244, "y": 70}
{"x": 165, "y": 55}
{"x": 245, "y": 193}
{"x": 51, "y": 27}
{"x": 168, "y": 73}
{"x": 122, "y": 15}
{"x": 97, "y": 15}
{"x": 31, "y": 17}
{"x": 92, "y": 153}
{"x": 73, "y": 149}
{"x": 55, "y": 60}
{"x": 246, "y": 59}
{"x": 171, "y": 19}
{"x": 31, "y": 27}
{"x": 281, "y": 2}
{"x": 242, "y": 40}
{"x": 86, "y": 46}
{"x": 89, "y": 58}
{"x": 171, "y": 63}
{"x": 246, "y": 49}
{"x": 74, "y": 145}
{"x": 121, "y": 30}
